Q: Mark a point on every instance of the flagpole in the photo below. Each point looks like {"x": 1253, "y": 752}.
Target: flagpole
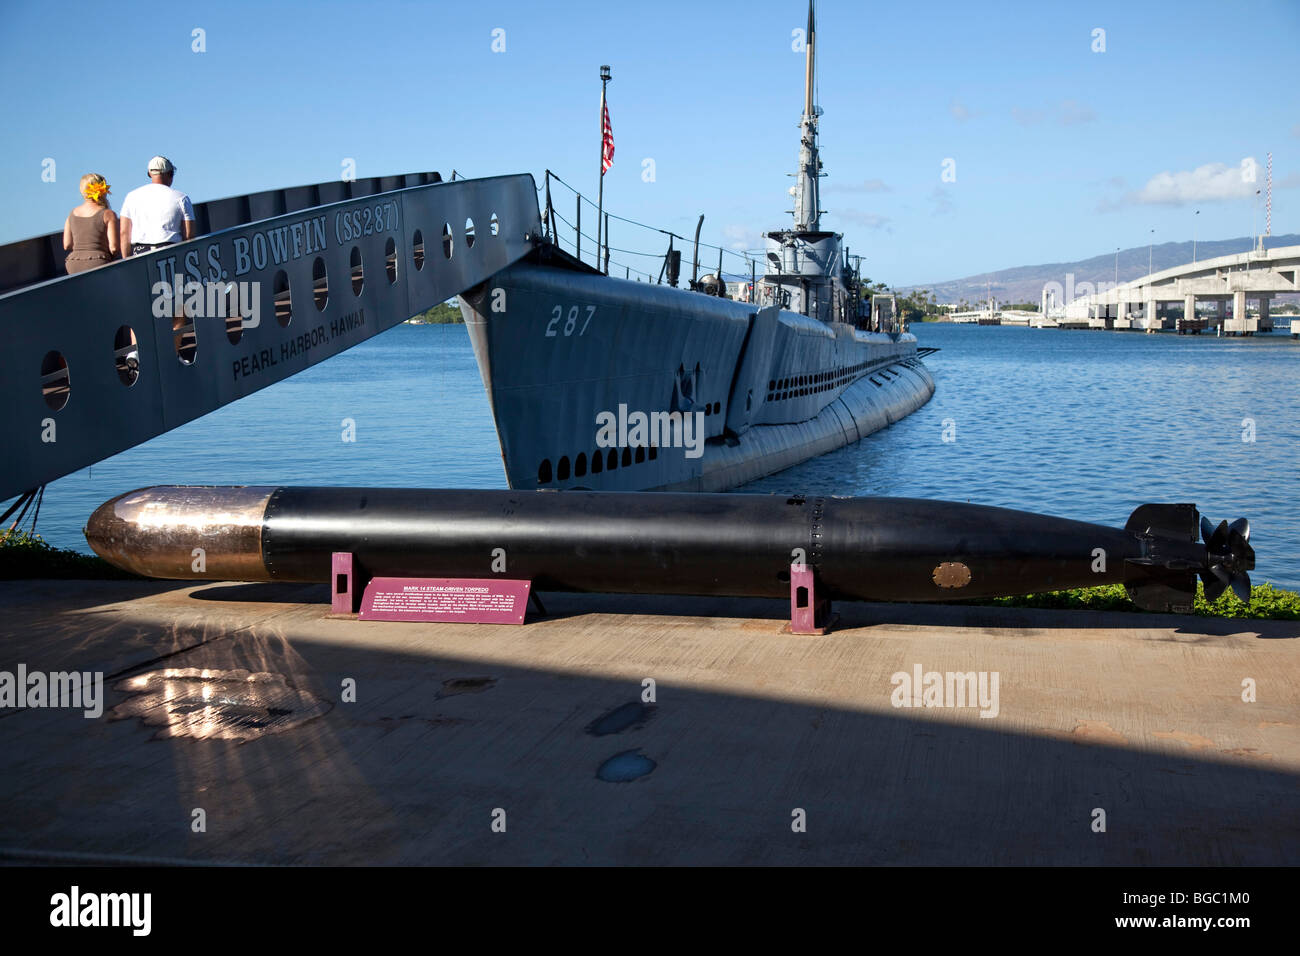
{"x": 600, "y": 193}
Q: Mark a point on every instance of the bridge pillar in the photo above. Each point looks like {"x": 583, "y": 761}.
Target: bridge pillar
{"x": 1239, "y": 311}
{"x": 1265, "y": 320}
{"x": 1189, "y": 313}
{"x": 1220, "y": 314}
{"x": 1149, "y": 311}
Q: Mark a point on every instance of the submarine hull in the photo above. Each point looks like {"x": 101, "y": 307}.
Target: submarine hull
{"x": 765, "y": 388}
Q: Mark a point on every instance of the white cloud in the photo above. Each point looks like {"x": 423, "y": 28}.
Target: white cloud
{"x": 741, "y": 238}
{"x": 1073, "y": 112}
{"x": 943, "y": 203}
{"x": 869, "y": 220}
{"x": 1066, "y": 112}
{"x": 1203, "y": 184}
{"x": 866, "y": 186}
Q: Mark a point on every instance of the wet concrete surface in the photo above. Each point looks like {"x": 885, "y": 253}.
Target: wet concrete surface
{"x": 641, "y": 730}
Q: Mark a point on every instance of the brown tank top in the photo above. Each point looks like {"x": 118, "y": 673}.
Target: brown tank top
{"x": 89, "y": 234}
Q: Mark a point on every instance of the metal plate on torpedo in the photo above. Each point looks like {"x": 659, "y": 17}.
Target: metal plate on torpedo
{"x": 952, "y": 574}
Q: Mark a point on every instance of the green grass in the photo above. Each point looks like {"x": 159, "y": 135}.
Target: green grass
{"x": 1266, "y": 602}
{"x": 26, "y": 555}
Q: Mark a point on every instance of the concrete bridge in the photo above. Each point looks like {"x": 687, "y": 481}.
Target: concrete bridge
{"x": 1170, "y": 299}
{"x": 985, "y": 316}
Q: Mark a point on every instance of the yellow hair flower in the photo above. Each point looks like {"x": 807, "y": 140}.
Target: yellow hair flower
{"x": 95, "y": 191}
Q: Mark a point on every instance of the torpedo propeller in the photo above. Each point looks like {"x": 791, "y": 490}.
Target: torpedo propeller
{"x": 1229, "y": 557}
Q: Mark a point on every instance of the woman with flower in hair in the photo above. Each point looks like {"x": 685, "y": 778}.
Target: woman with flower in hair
{"x": 90, "y": 231}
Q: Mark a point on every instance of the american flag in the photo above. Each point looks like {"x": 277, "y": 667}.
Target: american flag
{"x": 606, "y": 139}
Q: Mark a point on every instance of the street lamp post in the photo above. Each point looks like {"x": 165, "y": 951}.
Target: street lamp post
{"x": 1150, "y": 247}
{"x": 1117, "y": 267}
{"x": 1254, "y": 222}
{"x": 1194, "y": 223}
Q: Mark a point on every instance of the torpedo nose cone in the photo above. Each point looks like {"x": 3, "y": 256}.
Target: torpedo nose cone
{"x": 194, "y": 533}
{"x": 106, "y": 533}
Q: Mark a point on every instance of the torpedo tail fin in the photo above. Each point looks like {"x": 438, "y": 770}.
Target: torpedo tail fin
{"x": 1172, "y": 559}
{"x": 1168, "y": 578}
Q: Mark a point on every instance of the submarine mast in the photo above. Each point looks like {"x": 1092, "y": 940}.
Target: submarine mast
{"x": 807, "y": 210}
{"x": 805, "y": 264}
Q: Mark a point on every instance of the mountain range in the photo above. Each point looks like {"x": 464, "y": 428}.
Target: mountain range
{"x": 1025, "y": 283}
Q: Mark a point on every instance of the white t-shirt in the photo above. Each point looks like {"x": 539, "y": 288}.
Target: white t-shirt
{"x": 156, "y": 213}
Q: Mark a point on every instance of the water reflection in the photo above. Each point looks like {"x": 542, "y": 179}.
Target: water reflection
{"x": 204, "y": 703}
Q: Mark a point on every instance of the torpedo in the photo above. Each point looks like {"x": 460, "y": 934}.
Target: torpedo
{"x": 867, "y": 549}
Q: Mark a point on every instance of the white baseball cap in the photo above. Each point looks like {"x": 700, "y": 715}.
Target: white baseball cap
{"x": 161, "y": 164}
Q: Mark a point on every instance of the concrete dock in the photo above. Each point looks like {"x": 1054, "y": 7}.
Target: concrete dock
{"x": 537, "y": 744}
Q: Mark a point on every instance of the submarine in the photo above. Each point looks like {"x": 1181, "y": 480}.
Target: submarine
{"x": 798, "y": 362}
{"x": 742, "y": 545}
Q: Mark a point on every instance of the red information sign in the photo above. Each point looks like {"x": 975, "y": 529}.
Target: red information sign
{"x": 449, "y": 600}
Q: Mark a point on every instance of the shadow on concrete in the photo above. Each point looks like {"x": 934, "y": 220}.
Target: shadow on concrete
{"x": 72, "y": 595}
{"x": 272, "y": 592}
{"x": 437, "y": 746}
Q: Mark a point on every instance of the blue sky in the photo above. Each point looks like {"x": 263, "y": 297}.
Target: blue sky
{"x": 1060, "y": 152}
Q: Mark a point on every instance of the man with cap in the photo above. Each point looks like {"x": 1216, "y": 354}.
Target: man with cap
{"x": 155, "y": 215}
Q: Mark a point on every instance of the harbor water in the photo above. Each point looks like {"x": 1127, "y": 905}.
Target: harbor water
{"x": 1079, "y": 424}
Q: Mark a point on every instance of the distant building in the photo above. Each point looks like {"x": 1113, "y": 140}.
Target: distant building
{"x": 740, "y": 291}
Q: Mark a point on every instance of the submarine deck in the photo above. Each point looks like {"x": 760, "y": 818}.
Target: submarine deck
{"x": 1139, "y": 715}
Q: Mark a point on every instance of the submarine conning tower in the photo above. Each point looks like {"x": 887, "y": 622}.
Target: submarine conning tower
{"x": 806, "y": 269}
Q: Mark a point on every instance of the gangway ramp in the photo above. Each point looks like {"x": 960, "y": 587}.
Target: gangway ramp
{"x": 98, "y": 362}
